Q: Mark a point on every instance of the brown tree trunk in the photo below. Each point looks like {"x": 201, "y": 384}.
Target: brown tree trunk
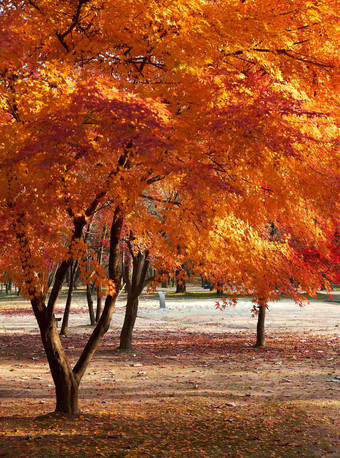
{"x": 99, "y": 289}
{"x": 64, "y": 325}
{"x": 219, "y": 289}
{"x": 99, "y": 303}
{"x": 65, "y": 378}
{"x": 181, "y": 287}
{"x": 129, "y": 323}
{"x": 260, "y": 333}
{"x": 90, "y": 305}
{"x": 65, "y": 381}
{"x": 105, "y": 319}
{"x": 135, "y": 277}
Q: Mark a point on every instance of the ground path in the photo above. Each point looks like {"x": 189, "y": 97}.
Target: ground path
{"x": 194, "y": 385}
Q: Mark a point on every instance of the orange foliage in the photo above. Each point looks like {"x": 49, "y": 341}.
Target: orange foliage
{"x": 199, "y": 123}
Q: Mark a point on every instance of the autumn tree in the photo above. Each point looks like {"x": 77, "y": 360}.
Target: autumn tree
{"x": 231, "y": 106}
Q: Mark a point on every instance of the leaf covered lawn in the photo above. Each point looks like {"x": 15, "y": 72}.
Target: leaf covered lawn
{"x": 178, "y": 394}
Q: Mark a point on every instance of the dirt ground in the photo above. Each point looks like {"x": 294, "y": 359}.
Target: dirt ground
{"x": 194, "y": 385}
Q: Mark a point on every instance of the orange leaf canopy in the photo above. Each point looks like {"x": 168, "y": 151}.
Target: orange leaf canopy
{"x": 205, "y": 121}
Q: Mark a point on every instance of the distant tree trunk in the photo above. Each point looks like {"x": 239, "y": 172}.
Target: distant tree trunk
{"x": 260, "y": 333}
{"x": 76, "y": 278}
{"x": 8, "y": 285}
{"x": 181, "y": 286}
{"x": 90, "y": 304}
{"x": 129, "y": 323}
{"x": 219, "y": 289}
{"x": 99, "y": 303}
{"x": 51, "y": 277}
{"x": 136, "y": 278}
{"x": 180, "y": 281}
{"x": 64, "y": 325}
{"x": 98, "y": 289}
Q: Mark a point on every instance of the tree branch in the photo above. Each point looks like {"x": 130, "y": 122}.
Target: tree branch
{"x": 75, "y": 20}
{"x": 114, "y": 276}
{"x": 79, "y": 224}
{"x": 144, "y": 271}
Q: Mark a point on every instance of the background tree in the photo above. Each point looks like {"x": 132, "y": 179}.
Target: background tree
{"x": 137, "y": 269}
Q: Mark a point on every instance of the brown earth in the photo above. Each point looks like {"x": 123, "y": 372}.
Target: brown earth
{"x": 193, "y": 386}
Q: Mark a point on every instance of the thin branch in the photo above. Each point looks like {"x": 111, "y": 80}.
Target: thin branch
{"x": 32, "y": 3}
{"x": 14, "y": 110}
{"x": 130, "y": 249}
{"x": 162, "y": 201}
{"x": 292, "y": 56}
{"x": 142, "y": 281}
{"x": 75, "y": 20}
{"x": 61, "y": 36}
{"x": 156, "y": 178}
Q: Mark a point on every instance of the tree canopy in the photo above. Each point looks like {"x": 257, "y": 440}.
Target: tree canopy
{"x": 210, "y": 128}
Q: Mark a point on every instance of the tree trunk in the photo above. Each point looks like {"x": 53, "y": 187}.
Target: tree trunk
{"x": 136, "y": 279}
{"x": 181, "y": 287}
{"x": 219, "y": 288}
{"x": 90, "y": 304}
{"x": 99, "y": 289}
{"x": 67, "y": 395}
{"x": 99, "y": 303}
{"x": 65, "y": 380}
{"x": 129, "y": 323}
{"x": 64, "y": 325}
{"x": 260, "y": 334}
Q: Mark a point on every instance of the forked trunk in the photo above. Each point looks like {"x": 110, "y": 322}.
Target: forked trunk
{"x": 129, "y": 323}
{"x": 260, "y": 334}
{"x": 65, "y": 381}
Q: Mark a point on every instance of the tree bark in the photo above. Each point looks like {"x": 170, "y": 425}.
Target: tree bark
{"x": 129, "y": 323}
{"x": 99, "y": 289}
{"x": 99, "y": 303}
{"x": 136, "y": 279}
{"x": 219, "y": 288}
{"x": 64, "y": 325}
{"x": 90, "y": 305}
{"x": 260, "y": 332}
{"x": 65, "y": 380}
{"x": 181, "y": 287}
